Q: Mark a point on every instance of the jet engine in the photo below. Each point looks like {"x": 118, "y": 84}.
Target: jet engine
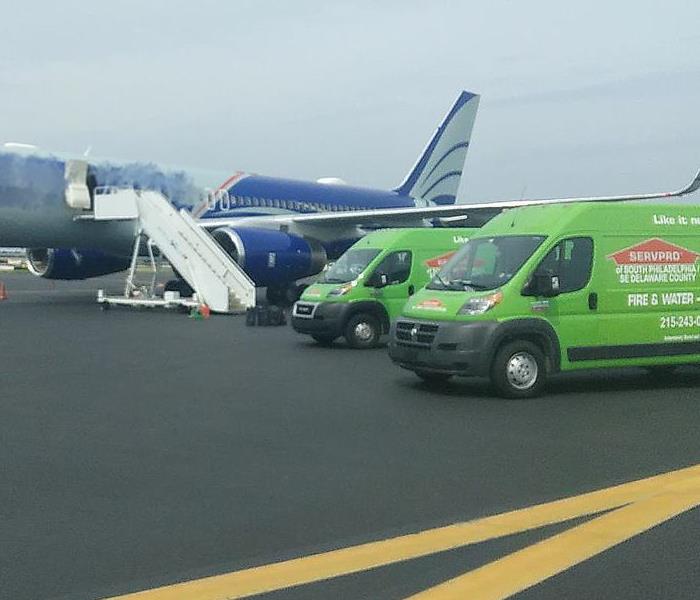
{"x": 271, "y": 257}
{"x": 63, "y": 263}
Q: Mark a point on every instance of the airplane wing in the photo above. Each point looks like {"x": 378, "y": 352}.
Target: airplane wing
{"x": 471, "y": 214}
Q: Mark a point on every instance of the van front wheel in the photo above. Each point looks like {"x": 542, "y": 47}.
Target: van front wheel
{"x": 363, "y": 331}
{"x": 519, "y": 370}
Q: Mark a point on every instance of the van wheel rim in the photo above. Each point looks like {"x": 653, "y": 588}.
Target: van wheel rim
{"x": 363, "y": 331}
{"x": 522, "y": 370}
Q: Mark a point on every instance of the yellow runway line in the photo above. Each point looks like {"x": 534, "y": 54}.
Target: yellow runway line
{"x": 317, "y": 567}
{"x": 525, "y": 568}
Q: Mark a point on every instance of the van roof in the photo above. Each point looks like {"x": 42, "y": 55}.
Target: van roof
{"x": 560, "y": 219}
{"x": 383, "y": 238}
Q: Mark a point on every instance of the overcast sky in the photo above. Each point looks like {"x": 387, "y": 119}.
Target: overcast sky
{"x": 577, "y": 98}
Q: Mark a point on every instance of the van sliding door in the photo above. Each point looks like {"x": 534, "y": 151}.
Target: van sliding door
{"x": 649, "y": 308}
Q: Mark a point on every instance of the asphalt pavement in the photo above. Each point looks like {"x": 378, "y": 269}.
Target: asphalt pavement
{"x": 141, "y": 448}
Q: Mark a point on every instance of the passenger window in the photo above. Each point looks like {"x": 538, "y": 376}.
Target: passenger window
{"x": 572, "y": 261}
{"x": 396, "y": 266}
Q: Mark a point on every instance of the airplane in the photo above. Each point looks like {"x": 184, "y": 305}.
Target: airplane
{"x": 36, "y": 211}
{"x": 278, "y": 230}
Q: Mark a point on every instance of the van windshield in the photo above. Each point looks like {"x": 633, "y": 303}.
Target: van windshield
{"x": 349, "y": 265}
{"x": 485, "y": 263}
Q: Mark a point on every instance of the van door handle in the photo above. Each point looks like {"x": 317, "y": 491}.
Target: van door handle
{"x": 411, "y": 290}
{"x": 593, "y": 301}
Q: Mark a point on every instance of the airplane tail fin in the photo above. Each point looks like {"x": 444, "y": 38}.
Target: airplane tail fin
{"x": 436, "y": 175}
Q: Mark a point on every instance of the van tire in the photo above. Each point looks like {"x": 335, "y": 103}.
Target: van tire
{"x": 519, "y": 370}
{"x": 323, "y": 340}
{"x": 363, "y": 330}
{"x": 432, "y": 376}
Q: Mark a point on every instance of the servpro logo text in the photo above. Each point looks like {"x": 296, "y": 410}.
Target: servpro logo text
{"x": 655, "y": 261}
{"x": 433, "y": 265}
{"x": 431, "y": 304}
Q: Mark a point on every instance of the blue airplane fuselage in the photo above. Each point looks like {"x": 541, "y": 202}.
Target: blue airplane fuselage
{"x": 256, "y": 195}
{"x": 34, "y": 213}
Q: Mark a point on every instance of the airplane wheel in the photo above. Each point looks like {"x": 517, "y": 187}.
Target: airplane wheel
{"x": 292, "y": 293}
{"x": 273, "y": 295}
{"x": 284, "y": 295}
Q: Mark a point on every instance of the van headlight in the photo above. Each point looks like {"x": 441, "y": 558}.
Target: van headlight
{"x": 480, "y": 304}
{"x": 341, "y": 291}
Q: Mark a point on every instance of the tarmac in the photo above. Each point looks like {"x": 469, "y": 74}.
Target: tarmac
{"x": 141, "y": 448}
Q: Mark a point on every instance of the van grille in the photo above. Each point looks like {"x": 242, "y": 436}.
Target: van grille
{"x": 304, "y": 310}
{"x": 415, "y": 334}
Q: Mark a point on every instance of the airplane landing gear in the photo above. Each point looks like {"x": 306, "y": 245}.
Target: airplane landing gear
{"x": 284, "y": 295}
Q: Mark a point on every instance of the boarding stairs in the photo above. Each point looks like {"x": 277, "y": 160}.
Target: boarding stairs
{"x": 215, "y": 277}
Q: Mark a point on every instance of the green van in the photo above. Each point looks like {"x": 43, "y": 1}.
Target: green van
{"x": 359, "y": 295}
{"x": 560, "y": 287}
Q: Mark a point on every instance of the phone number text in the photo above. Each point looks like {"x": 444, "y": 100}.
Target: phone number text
{"x": 680, "y": 321}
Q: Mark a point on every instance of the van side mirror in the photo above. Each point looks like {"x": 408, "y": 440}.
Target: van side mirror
{"x": 545, "y": 284}
{"x": 378, "y": 280}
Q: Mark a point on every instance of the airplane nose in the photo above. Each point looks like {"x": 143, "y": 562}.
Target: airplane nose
{"x": 29, "y": 181}
{"x": 32, "y": 192}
